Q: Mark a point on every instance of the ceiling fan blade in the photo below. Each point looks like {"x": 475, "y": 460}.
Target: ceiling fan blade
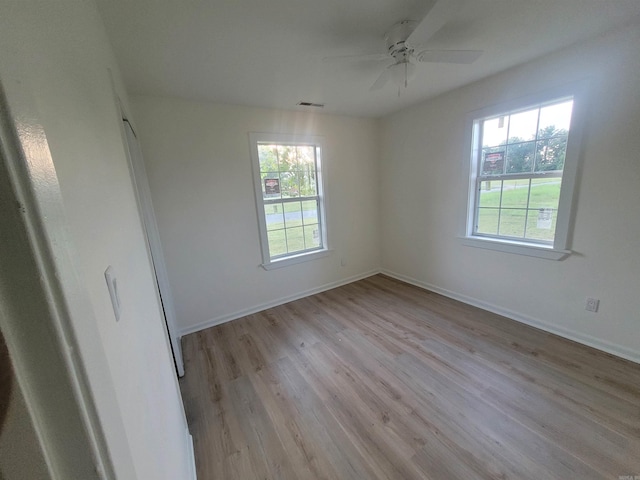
{"x": 435, "y": 19}
{"x": 382, "y": 80}
{"x": 375, "y": 57}
{"x": 449, "y": 56}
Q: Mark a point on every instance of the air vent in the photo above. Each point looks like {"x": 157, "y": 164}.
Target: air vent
{"x": 311, "y": 104}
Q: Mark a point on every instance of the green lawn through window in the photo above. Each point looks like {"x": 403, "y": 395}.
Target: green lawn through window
{"x": 503, "y": 207}
{"x": 292, "y": 226}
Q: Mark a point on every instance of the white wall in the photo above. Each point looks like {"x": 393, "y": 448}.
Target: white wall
{"x": 199, "y": 169}
{"x": 54, "y": 66}
{"x": 424, "y": 179}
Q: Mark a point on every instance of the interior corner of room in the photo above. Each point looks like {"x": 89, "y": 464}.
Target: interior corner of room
{"x": 135, "y": 218}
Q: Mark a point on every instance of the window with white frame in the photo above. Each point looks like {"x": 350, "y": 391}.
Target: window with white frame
{"x": 289, "y": 197}
{"x": 522, "y": 174}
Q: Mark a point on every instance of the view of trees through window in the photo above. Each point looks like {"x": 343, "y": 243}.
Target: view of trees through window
{"x": 288, "y": 175}
{"x": 521, "y": 162}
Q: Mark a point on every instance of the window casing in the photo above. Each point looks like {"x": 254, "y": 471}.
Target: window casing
{"x": 523, "y": 165}
{"x": 288, "y": 180}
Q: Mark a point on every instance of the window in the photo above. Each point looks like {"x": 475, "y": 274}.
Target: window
{"x": 522, "y": 174}
{"x": 289, "y": 197}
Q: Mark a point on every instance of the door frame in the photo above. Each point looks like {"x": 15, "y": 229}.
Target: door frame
{"x": 150, "y": 227}
{"x": 40, "y": 294}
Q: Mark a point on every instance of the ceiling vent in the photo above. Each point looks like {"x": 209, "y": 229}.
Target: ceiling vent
{"x": 311, "y": 104}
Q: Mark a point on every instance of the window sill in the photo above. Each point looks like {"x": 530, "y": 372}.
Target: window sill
{"x": 518, "y": 248}
{"x": 303, "y": 257}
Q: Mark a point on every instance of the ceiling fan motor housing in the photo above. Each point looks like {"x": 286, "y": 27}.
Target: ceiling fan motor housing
{"x": 396, "y": 40}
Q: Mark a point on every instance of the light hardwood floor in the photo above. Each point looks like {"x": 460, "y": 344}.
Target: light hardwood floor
{"x": 382, "y": 380}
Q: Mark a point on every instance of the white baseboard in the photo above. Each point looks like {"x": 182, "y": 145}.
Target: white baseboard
{"x": 289, "y": 298}
{"x": 613, "y": 349}
{"x": 608, "y": 347}
{"x": 192, "y": 456}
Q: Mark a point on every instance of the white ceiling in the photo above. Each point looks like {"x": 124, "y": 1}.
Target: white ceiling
{"x": 269, "y": 52}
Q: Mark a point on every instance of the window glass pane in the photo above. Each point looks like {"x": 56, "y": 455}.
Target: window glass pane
{"x": 555, "y": 118}
{"x": 306, "y": 157}
{"x": 308, "y": 184}
{"x": 490, "y": 193}
{"x": 494, "y": 131}
{"x": 541, "y": 224}
{"x": 515, "y": 193}
{"x": 286, "y": 158}
{"x": 488, "y": 221}
{"x": 512, "y": 222}
{"x": 270, "y": 185}
{"x": 523, "y": 126}
{"x": 296, "y": 159}
{"x": 550, "y": 154}
{"x": 296, "y": 183}
{"x": 530, "y": 144}
{"x": 493, "y": 161}
{"x": 288, "y": 172}
{"x": 268, "y": 158}
{"x": 295, "y": 239}
{"x": 293, "y": 214}
{"x": 545, "y": 193}
{"x": 289, "y": 184}
{"x": 312, "y": 236}
{"x": 310, "y": 212}
{"x": 274, "y": 216}
{"x": 300, "y": 178}
{"x": 520, "y": 157}
{"x": 277, "y": 242}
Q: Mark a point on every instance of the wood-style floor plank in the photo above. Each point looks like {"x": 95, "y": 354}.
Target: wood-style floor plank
{"x": 383, "y": 380}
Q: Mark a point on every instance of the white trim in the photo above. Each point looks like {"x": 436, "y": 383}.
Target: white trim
{"x": 193, "y": 475}
{"x": 519, "y": 248}
{"x": 598, "y": 344}
{"x": 288, "y": 139}
{"x": 26, "y": 159}
{"x": 292, "y": 260}
{"x": 602, "y": 345}
{"x": 566, "y": 206}
{"x": 282, "y": 300}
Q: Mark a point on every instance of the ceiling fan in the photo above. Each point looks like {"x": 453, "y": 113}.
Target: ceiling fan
{"x": 405, "y": 48}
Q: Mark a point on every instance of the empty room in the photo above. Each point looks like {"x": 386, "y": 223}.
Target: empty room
{"x": 386, "y": 239}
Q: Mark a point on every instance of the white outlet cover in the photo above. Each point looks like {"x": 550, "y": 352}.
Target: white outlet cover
{"x": 592, "y": 304}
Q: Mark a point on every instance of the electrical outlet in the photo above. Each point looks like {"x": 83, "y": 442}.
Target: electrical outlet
{"x": 592, "y": 304}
